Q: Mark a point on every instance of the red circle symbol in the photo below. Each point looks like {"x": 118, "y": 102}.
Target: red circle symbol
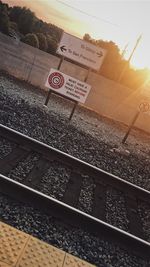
{"x": 56, "y": 80}
{"x": 144, "y": 107}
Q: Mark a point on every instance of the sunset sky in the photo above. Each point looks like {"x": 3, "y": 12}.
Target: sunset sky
{"x": 119, "y": 21}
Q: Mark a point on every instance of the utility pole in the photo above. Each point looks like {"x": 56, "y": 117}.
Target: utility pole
{"x": 124, "y": 50}
{"x": 129, "y": 59}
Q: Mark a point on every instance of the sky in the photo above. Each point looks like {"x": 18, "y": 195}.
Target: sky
{"x": 119, "y": 21}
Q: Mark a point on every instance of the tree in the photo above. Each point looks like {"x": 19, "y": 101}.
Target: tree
{"x": 87, "y": 37}
{"x": 15, "y": 13}
{"x": 47, "y": 29}
{"x": 31, "y": 39}
{"x": 37, "y": 25}
{"x": 13, "y": 26}
{"x": 112, "y": 61}
{"x": 24, "y": 17}
{"x": 52, "y": 44}
{"x": 4, "y": 18}
{"x": 42, "y": 41}
{"x": 55, "y": 32}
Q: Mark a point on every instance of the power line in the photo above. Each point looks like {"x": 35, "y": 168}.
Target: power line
{"x": 87, "y": 14}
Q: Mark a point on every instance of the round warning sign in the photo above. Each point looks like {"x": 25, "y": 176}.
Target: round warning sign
{"x": 56, "y": 80}
{"x": 144, "y": 107}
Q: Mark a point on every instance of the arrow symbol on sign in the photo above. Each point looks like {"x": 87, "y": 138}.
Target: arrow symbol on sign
{"x": 100, "y": 54}
{"x": 63, "y": 48}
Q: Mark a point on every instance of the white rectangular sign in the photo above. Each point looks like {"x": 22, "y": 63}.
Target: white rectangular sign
{"x": 81, "y": 51}
{"x": 68, "y": 86}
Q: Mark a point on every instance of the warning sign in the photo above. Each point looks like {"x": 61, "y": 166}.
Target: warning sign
{"x": 67, "y": 85}
{"x": 56, "y": 80}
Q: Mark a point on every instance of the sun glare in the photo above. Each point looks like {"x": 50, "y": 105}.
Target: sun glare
{"x": 121, "y": 22}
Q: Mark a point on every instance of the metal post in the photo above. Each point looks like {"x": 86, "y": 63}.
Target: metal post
{"x": 73, "y": 110}
{"x": 48, "y": 97}
{"x": 60, "y": 63}
{"x": 49, "y": 92}
{"x": 131, "y": 125}
{"x": 75, "y": 105}
{"x": 85, "y": 79}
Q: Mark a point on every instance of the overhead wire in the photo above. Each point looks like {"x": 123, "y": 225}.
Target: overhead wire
{"x": 87, "y": 14}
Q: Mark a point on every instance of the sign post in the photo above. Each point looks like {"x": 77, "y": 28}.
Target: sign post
{"x": 60, "y": 63}
{"x": 73, "y": 110}
{"x": 76, "y": 103}
{"x": 143, "y": 107}
{"x": 48, "y": 97}
{"x": 130, "y": 127}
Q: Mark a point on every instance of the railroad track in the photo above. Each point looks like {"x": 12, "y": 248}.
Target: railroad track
{"x": 67, "y": 209}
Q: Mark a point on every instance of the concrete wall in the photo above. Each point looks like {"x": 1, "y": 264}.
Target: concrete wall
{"x": 106, "y": 97}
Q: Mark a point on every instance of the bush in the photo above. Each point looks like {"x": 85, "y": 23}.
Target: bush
{"x": 42, "y": 41}
{"x": 4, "y": 19}
{"x": 52, "y": 45}
{"x": 31, "y": 39}
{"x": 24, "y": 18}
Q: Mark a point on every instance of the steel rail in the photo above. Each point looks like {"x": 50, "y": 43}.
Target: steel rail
{"x": 72, "y": 216}
{"x": 82, "y": 167}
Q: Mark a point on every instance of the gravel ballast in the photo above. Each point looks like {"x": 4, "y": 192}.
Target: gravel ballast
{"x": 89, "y": 137}
{"x": 79, "y": 243}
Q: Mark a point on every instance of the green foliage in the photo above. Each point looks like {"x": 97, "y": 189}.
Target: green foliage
{"x": 15, "y": 13}
{"x": 37, "y": 25}
{"x": 47, "y": 29}
{"x": 87, "y": 37}
{"x": 31, "y": 39}
{"x": 55, "y": 32}
{"x": 13, "y": 26}
{"x": 52, "y": 44}
{"x": 24, "y": 17}
{"x": 23, "y": 21}
{"x": 4, "y": 18}
{"x": 42, "y": 41}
